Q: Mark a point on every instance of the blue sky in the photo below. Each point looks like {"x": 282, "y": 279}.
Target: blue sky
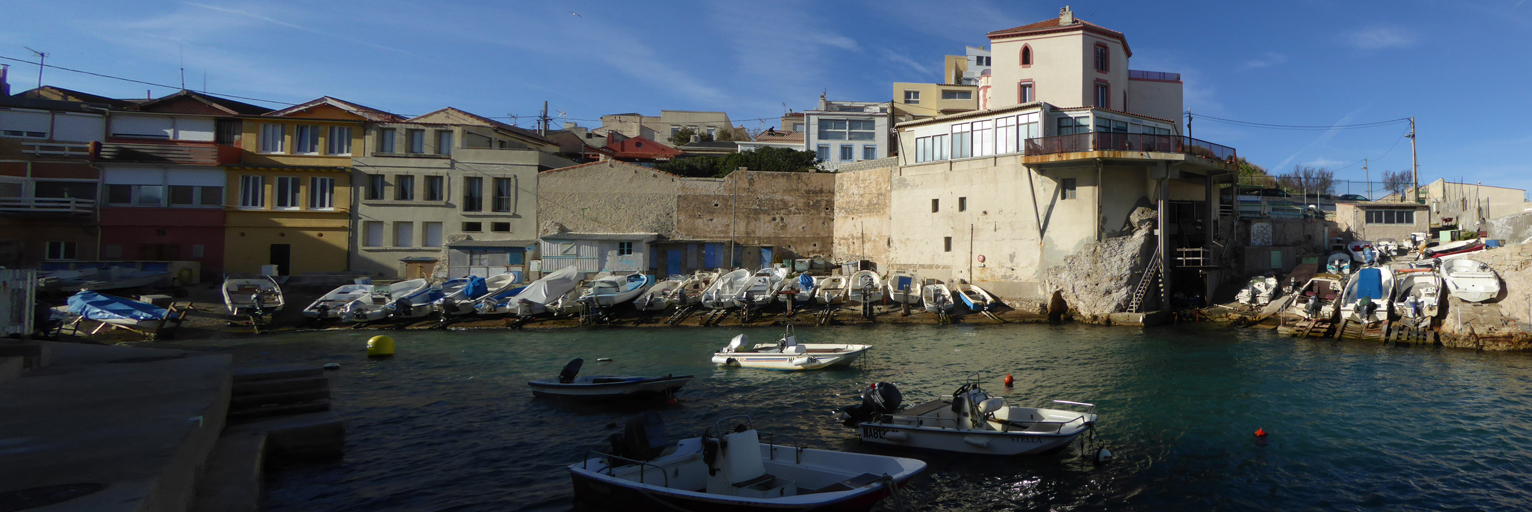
{"x": 1461, "y": 68}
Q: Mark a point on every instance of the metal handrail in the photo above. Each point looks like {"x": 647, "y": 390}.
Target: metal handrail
{"x": 610, "y": 470}
{"x": 771, "y": 443}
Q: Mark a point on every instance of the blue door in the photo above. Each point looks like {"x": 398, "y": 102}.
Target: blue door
{"x": 765, "y": 257}
{"x": 710, "y": 256}
{"x": 673, "y": 262}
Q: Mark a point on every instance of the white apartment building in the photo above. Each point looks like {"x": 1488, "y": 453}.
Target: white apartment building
{"x": 842, "y": 132}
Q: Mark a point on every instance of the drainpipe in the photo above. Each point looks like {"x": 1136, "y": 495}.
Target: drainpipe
{"x": 1099, "y": 183}
{"x": 1163, "y": 240}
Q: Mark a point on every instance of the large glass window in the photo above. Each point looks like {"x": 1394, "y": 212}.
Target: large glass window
{"x": 473, "y": 194}
{"x": 150, "y": 195}
{"x": 869, "y": 152}
{"x": 287, "y": 191}
{"x": 1073, "y": 125}
{"x": 1027, "y": 127}
{"x": 1005, "y": 135}
{"x": 339, "y": 141}
{"x": 505, "y": 195}
{"x": 922, "y": 149}
{"x": 1106, "y": 125}
{"x": 847, "y": 152}
{"x": 306, "y": 139}
{"x": 252, "y": 192}
{"x": 984, "y": 138}
{"x": 321, "y": 193}
{"x": 962, "y": 140}
{"x": 271, "y": 137}
{"x": 1391, "y": 217}
{"x": 957, "y": 95}
{"x": 842, "y": 129}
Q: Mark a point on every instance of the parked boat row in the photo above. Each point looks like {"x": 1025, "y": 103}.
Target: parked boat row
{"x": 1378, "y": 293}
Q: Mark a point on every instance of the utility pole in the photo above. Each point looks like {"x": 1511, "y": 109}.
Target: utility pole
{"x": 42, "y": 62}
{"x": 542, "y": 121}
{"x": 1188, "y": 123}
{"x": 1368, "y": 174}
{"x": 1414, "y": 163}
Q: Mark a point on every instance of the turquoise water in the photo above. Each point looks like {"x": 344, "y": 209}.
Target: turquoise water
{"x": 449, "y": 423}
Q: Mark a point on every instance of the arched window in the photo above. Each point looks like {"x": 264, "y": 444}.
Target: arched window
{"x": 1026, "y": 56}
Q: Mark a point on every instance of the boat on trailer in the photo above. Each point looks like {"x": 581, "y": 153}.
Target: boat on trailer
{"x": 967, "y": 421}
{"x": 787, "y": 353}
{"x": 729, "y": 468}
{"x": 571, "y": 385}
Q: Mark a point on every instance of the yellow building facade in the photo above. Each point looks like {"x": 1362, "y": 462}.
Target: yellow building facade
{"x": 289, "y": 197}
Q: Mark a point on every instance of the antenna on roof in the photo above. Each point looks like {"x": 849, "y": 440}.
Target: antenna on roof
{"x": 182, "y": 48}
{"x": 42, "y": 62}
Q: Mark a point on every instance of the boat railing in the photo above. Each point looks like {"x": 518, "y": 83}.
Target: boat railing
{"x": 611, "y": 470}
{"x": 771, "y": 443}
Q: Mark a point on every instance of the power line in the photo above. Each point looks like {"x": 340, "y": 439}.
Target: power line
{"x": 1302, "y": 127}
{"x": 102, "y": 75}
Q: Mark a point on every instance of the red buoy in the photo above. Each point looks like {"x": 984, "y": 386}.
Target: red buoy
{"x": 1008, "y": 380}
{"x": 671, "y": 401}
{"x": 1260, "y": 432}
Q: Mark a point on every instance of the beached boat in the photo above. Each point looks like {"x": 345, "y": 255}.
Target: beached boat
{"x": 975, "y": 298}
{"x": 967, "y": 421}
{"x": 864, "y": 286}
{"x": 1388, "y": 247}
{"x": 831, "y": 290}
{"x": 720, "y": 295}
{"x": 333, "y": 304}
{"x": 422, "y": 302}
{"x": 569, "y": 384}
{"x": 252, "y": 296}
{"x": 1317, "y": 299}
{"x": 1367, "y": 295}
{"x": 119, "y": 311}
{"x": 1419, "y": 294}
{"x": 1362, "y": 252}
{"x": 937, "y": 298}
{"x": 465, "y": 300}
{"x": 535, "y": 298}
{"x": 1454, "y": 252}
{"x": 1434, "y": 250}
{"x": 692, "y": 289}
{"x": 728, "y": 468}
{"x": 662, "y": 295}
{"x": 112, "y": 278}
{"x": 1258, "y": 292}
{"x": 1470, "y": 280}
{"x": 787, "y": 353}
{"x": 903, "y": 286}
{"x": 615, "y": 289}
{"x": 454, "y": 291}
{"x": 761, "y": 289}
{"x": 795, "y": 290}
{"x": 1338, "y": 264}
{"x": 374, "y": 306}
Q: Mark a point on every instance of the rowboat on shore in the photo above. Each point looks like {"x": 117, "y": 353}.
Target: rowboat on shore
{"x": 1367, "y": 296}
{"x": 1470, "y": 280}
{"x": 831, "y": 291}
{"x": 253, "y": 297}
{"x": 937, "y": 298}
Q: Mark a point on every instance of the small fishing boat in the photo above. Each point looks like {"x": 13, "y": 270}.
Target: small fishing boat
{"x": 253, "y": 297}
{"x": 103, "y": 279}
{"x": 806, "y": 286}
{"x": 122, "y": 312}
{"x": 1367, "y": 295}
{"x": 1419, "y": 294}
{"x": 1338, "y": 264}
{"x": 1362, "y": 251}
{"x": 615, "y": 289}
{"x": 1436, "y": 250}
{"x": 465, "y": 300}
{"x": 1258, "y": 292}
{"x": 761, "y": 289}
{"x": 728, "y": 468}
{"x": 333, "y": 304}
{"x": 374, "y": 306}
{"x": 937, "y": 298}
{"x": 421, "y": 302}
{"x": 535, "y": 298}
{"x": 864, "y": 286}
{"x": 692, "y": 289}
{"x": 975, "y": 298}
{"x": 1388, "y": 247}
{"x": 1470, "y": 280}
{"x": 569, "y": 384}
{"x": 903, "y": 287}
{"x": 497, "y": 303}
{"x": 831, "y": 290}
{"x": 455, "y": 291}
{"x": 968, "y": 421}
{"x": 787, "y": 354}
{"x": 1456, "y": 252}
{"x": 662, "y": 295}
{"x": 720, "y": 295}
{"x": 1317, "y": 299}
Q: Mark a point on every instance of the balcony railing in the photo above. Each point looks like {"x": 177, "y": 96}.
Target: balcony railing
{"x": 1134, "y": 74}
{"x": 66, "y": 205}
{"x": 60, "y": 149}
{"x": 1102, "y": 141}
{"x": 167, "y": 153}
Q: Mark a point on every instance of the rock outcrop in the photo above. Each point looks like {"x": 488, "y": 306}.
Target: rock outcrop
{"x": 1099, "y": 279}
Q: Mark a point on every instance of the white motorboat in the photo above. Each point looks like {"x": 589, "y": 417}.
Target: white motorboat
{"x": 761, "y": 289}
{"x": 333, "y": 304}
{"x": 903, "y": 286}
{"x": 1338, "y": 264}
{"x": 374, "y": 306}
{"x": 1259, "y": 292}
{"x": 115, "y": 278}
{"x": 975, "y": 298}
{"x": 1470, "y": 280}
{"x": 968, "y": 421}
{"x": 1388, "y": 247}
{"x": 1438, "y": 250}
{"x": 497, "y": 303}
{"x": 831, "y": 291}
{"x": 787, "y": 354}
{"x": 1362, "y": 252}
{"x": 662, "y": 295}
{"x": 615, "y": 289}
{"x": 1367, "y": 295}
{"x": 252, "y": 296}
{"x": 422, "y": 302}
{"x": 720, "y": 294}
{"x": 535, "y": 298}
{"x": 864, "y": 286}
{"x": 692, "y": 289}
{"x": 466, "y": 299}
{"x": 1317, "y": 300}
{"x": 804, "y": 287}
{"x": 936, "y": 297}
{"x": 569, "y": 384}
{"x": 730, "y": 469}
{"x": 1418, "y": 294}
{"x": 453, "y": 291}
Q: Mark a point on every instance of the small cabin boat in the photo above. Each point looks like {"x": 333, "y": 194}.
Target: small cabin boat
{"x": 1367, "y": 295}
{"x": 569, "y": 384}
{"x": 1470, "y": 280}
{"x": 787, "y": 354}
{"x": 332, "y": 304}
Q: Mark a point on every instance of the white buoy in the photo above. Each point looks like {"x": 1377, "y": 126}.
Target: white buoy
{"x": 332, "y": 366}
{"x": 1103, "y": 455}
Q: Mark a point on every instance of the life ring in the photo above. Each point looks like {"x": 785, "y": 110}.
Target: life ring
{"x": 184, "y": 276}
{"x": 981, "y": 258}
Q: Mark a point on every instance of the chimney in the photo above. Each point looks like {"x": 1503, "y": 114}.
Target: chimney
{"x": 5, "y": 85}
{"x": 1066, "y": 16}
{"x": 570, "y": 125}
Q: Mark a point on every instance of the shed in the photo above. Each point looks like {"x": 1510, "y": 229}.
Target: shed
{"x": 485, "y": 258}
{"x": 597, "y": 252}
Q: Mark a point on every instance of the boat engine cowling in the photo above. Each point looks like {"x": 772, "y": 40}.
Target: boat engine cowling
{"x": 880, "y": 398}
{"x": 570, "y": 370}
{"x": 643, "y": 438}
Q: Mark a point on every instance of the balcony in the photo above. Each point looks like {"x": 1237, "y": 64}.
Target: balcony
{"x": 181, "y": 153}
{"x": 1130, "y": 142}
{"x": 46, "y": 205}
{"x": 60, "y": 149}
{"x": 1159, "y": 76}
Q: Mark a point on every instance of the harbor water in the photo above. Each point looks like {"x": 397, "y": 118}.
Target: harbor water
{"x": 449, "y": 423}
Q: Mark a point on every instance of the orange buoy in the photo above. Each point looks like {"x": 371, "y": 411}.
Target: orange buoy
{"x": 1260, "y": 432}
{"x": 671, "y": 401}
{"x": 1008, "y": 380}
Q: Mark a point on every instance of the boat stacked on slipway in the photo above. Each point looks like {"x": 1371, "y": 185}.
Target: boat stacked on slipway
{"x": 374, "y": 306}
{"x": 333, "y": 304}
{"x": 253, "y": 297}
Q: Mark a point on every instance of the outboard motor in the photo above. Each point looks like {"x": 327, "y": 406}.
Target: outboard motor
{"x": 643, "y": 438}
{"x": 258, "y": 301}
{"x": 402, "y": 307}
{"x": 570, "y": 370}
{"x": 880, "y": 398}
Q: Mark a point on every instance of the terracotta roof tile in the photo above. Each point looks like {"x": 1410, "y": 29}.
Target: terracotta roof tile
{"x": 1052, "y": 25}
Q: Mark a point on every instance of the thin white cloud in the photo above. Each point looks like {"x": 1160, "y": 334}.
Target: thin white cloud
{"x": 899, "y": 58}
{"x": 1322, "y": 138}
{"x": 1323, "y": 162}
{"x": 294, "y": 26}
{"x": 1380, "y": 37}
{"x": 1264, "y": 61}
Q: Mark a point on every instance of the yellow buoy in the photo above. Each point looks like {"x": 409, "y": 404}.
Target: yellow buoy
{"x": 380, "y": 346}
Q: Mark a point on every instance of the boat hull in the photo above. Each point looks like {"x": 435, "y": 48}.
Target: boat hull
{"x": 818, "y": 357}
{"x": 591, "y": 388}
{"x": 964, "y": 441}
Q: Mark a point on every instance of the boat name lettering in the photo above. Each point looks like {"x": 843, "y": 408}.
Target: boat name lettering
{"x": 874, "y": 432}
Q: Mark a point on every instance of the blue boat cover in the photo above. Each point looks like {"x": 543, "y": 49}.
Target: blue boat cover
{"x": 96, "y": 306}
{"x": 475, "y": 287}
{"x": 805, "y": 281}
{"x": 903, "y": 283}
{"x": 1370, "y": 284}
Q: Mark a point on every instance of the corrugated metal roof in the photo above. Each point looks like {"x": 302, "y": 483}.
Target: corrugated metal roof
{"x": 601, "y": 236}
